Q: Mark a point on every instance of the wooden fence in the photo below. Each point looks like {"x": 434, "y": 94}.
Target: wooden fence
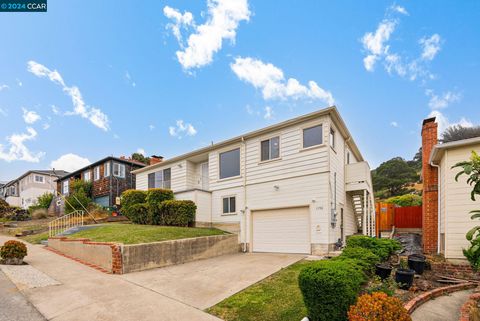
{"x": 408, "y": 217}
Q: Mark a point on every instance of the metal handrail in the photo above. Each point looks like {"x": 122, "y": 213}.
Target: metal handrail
{"x": 65, "y": 223}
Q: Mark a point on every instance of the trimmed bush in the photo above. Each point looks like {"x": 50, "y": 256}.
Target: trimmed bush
{"x": 361, "y": 254}
{"x": 155, "y": 196}
{"x": 176, "y": 213}
{"x": 131, "y": 197}
{"x": 137, "y": 213}
{"x": 383, "y": 248}
{"x": 13, "y": 250}
{"x": 330, "y": 287}
{"x": 378, "y": 307}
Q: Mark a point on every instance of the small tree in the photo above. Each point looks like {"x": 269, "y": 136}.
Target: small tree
{"x": 141, "y": 158}
{"x": 79, "y": 197}
{"x": 471, "y": 168}
{"x": 43, "y": 201}
{"x": 458, "y": 132}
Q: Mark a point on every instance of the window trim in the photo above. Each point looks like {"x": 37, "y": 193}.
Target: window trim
{"x": 106, "y": 173}
{"x": 220, "y": 167}
{"x": 229, "y": 205}
{"x": 331, "y": 137}
{"x": 269, "y": 139}
{"x": 67, "y": 184}
{"x": 163, "y": 178}
{"x": 95, "y": 169}
{"x": 120, "y": 172}
{"x": 302, "y": 131}
{"x": 89, "y": 175}
{"x": 38, "y": 182}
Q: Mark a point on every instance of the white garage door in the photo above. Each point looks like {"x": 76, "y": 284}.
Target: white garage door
{"x": 281, "y": 230}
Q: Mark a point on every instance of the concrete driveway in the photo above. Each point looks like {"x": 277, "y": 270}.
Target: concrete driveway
{"x": 204, "y": 283}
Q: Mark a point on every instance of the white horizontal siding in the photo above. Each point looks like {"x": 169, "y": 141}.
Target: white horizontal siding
{"x": 178, "y": 173}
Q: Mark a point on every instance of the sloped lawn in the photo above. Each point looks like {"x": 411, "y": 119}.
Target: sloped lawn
{"x": 277, "y": 297}
{"x": 134, "y": 234}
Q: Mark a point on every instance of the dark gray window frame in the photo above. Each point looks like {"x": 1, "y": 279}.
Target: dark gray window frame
{"x": 270, "y": 144}
{"x": 222, "y": 174}
{"x": 307, "y": 130}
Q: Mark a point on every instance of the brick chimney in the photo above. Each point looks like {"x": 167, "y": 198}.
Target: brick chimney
{"x": 154, "y": 159}
{"x": 430, "y": 188}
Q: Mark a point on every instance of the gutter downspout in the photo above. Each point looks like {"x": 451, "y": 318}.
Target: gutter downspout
{"x": 438, "y": 205}
{"x": 244, "y": 195}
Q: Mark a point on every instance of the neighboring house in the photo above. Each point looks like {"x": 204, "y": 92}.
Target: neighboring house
{"x": 24, "y": 190}
{"x": 295, "y": 187}
{"x": 2, "y": 190}
{"x": 110, "y": 176}
{"x": 446, "y": 202}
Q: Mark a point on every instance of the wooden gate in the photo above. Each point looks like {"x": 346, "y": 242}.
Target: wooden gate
{"x": 408, "y": 217}
{"x": 384, "y": 217}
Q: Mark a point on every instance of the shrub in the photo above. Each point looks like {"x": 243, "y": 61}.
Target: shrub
{"x": 383, "y": 248}
{"x": 175, "y": 213}
{"x": 13, "y": 250}
{"x": 138, "y": 213}
{"x": 329, "y": 288}
{"x": 155, "y": 196}
{"x": 387, "y": 286}
{"x": 77, "y": 201}
{"x": 131, "y": 197}
{"x": 405, "y": 200}
{"x": 38, "y": 213}
{"x": 361, "y": 254}
{"x": 378, "y": 307}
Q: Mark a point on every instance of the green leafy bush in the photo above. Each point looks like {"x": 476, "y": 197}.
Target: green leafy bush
{"x": 138, "y": 213}
{"x": 329, "y": 288}
{"x": 383, "y": 248}
{"x": 361, "y": 254}
{"x": 405, "y": 200}
{"x": 131, "y": 197}
{"x": 13, "y": 250}
{"x": 155, "y": 196}
{"x": 387, "y": 286}
{"x": 176, "y": 213}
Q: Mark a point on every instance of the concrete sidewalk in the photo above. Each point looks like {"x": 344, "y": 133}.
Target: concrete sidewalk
{"x": 444, "y": 308}
{"x": 87, "y": 294}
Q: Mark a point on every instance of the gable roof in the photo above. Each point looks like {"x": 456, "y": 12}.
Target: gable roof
{"x": 332, "y": 111}
{"x": 103, "y": 160}
{"x": 56, "y": 173}
{"x": 439, "y": 149}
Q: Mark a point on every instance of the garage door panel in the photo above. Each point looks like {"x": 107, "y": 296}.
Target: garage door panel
{"x": 281, "y": 230}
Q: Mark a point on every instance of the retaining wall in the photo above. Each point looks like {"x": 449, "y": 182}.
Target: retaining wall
{"x": 138, "y": 257}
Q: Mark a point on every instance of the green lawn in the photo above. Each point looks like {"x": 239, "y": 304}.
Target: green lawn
{"x": 134, "y": 234}
{"x": 277, "y": 297}
{"x": 35, "y": 238}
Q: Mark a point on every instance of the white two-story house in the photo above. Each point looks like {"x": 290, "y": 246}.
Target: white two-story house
{"x": 298, "y": 186}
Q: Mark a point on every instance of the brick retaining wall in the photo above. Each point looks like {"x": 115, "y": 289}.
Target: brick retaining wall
{"x": 465, "y": 311}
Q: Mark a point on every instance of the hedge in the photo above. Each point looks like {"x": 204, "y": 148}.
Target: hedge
{"x": 383, "y": 248}
{"x": 176, "y": 213}
{"x": 154, "y": 198}
{"x": 367, "y": 259}
{"x": 133, "y": 196}
{"x": 137, "y": 213}
{"x": 330, "y": 287}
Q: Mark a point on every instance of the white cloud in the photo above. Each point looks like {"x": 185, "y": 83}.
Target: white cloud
{"x": 271, "y": 81}
{"x": 151, "y": 127}
{"x": 129, "y": 79}
{"x": 399, "y": 9}
{"x": 441, "y": 101}
{"x": 30, "y": 116}
{"x": 182, "y": 129}
{"x": 55, "y": 110}
{"x": 268, "y": 112}
{"x": 374, "y": 43}
{"x": 443, "y": 122}
{"x": 141, "y": 151}
{"x": 46, "y": 126}
{"x": 250, "y": 110}
{"x": 94, "y": 115}
{"x": 19, "y": 83}
{"x": 430, "y": 46}
{"x": 17, "y": 149}
{"x": 394, "y": 124}
{"x": 69, "y": 162}
{"x": 223, "y": 18}
{"x": 179, "y": 21}
{"x": 4, "y": 87}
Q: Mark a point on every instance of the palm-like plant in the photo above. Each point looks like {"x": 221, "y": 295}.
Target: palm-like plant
{"x": 472, "y": 169}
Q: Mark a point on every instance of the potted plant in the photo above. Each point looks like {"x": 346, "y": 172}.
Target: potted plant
{"x": 404, "y": 275}
{"x": 417, "y": 262}
{"x": 383, "y": 270}
{"x": 13, "y": 252}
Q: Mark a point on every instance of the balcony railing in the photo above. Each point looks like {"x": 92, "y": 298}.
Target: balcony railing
{"x": 358, "y": 176}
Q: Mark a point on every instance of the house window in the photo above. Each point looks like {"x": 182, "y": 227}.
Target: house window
{"x": 332, "y": 137}
{"x": 230, "y": 163}
{"x": 96, "y": 173}
{"x": 312, "y": 136}
{"x": 106, "y": 169}
{"x": 119, "y": 170}
{"x": 39, "y": 179}
{"x": 160, "y": 179}
{"x": 229, "y": 206}
{"x": 348, "y": 157}
{"x": 86, "y": 176}
{"x": 65, "y": 187}
{"x": 270, "y": 148}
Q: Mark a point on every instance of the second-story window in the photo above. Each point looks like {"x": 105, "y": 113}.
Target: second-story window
{"x": 160, "y": 179}
{"x": 119, "y": 170}
{"x": 106, "y": 169}
{"x": 312, "y": 136}
{"x": 87, "y": 176}
{"x": 96, "y": 173}
{"x": 65, "y": 187}
{"x": 230, "y": 163}
{"x": 270, "y": 148}
{"x": 332, "y": 138}
{"x": 39, "y": 179}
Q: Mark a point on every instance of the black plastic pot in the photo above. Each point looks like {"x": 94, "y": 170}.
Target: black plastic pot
{"x": 383, "y": 270}
{"x": 417, "y": 262}
{"x": 404, "y": 277}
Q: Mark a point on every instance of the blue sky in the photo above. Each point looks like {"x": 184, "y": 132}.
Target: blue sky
{"x": 94, "y": 78}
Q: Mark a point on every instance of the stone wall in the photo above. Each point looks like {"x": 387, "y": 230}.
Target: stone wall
{"x": 138, "y": 257}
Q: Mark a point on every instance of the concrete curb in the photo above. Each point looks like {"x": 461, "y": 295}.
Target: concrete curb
{"x": 413, "y": 304}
